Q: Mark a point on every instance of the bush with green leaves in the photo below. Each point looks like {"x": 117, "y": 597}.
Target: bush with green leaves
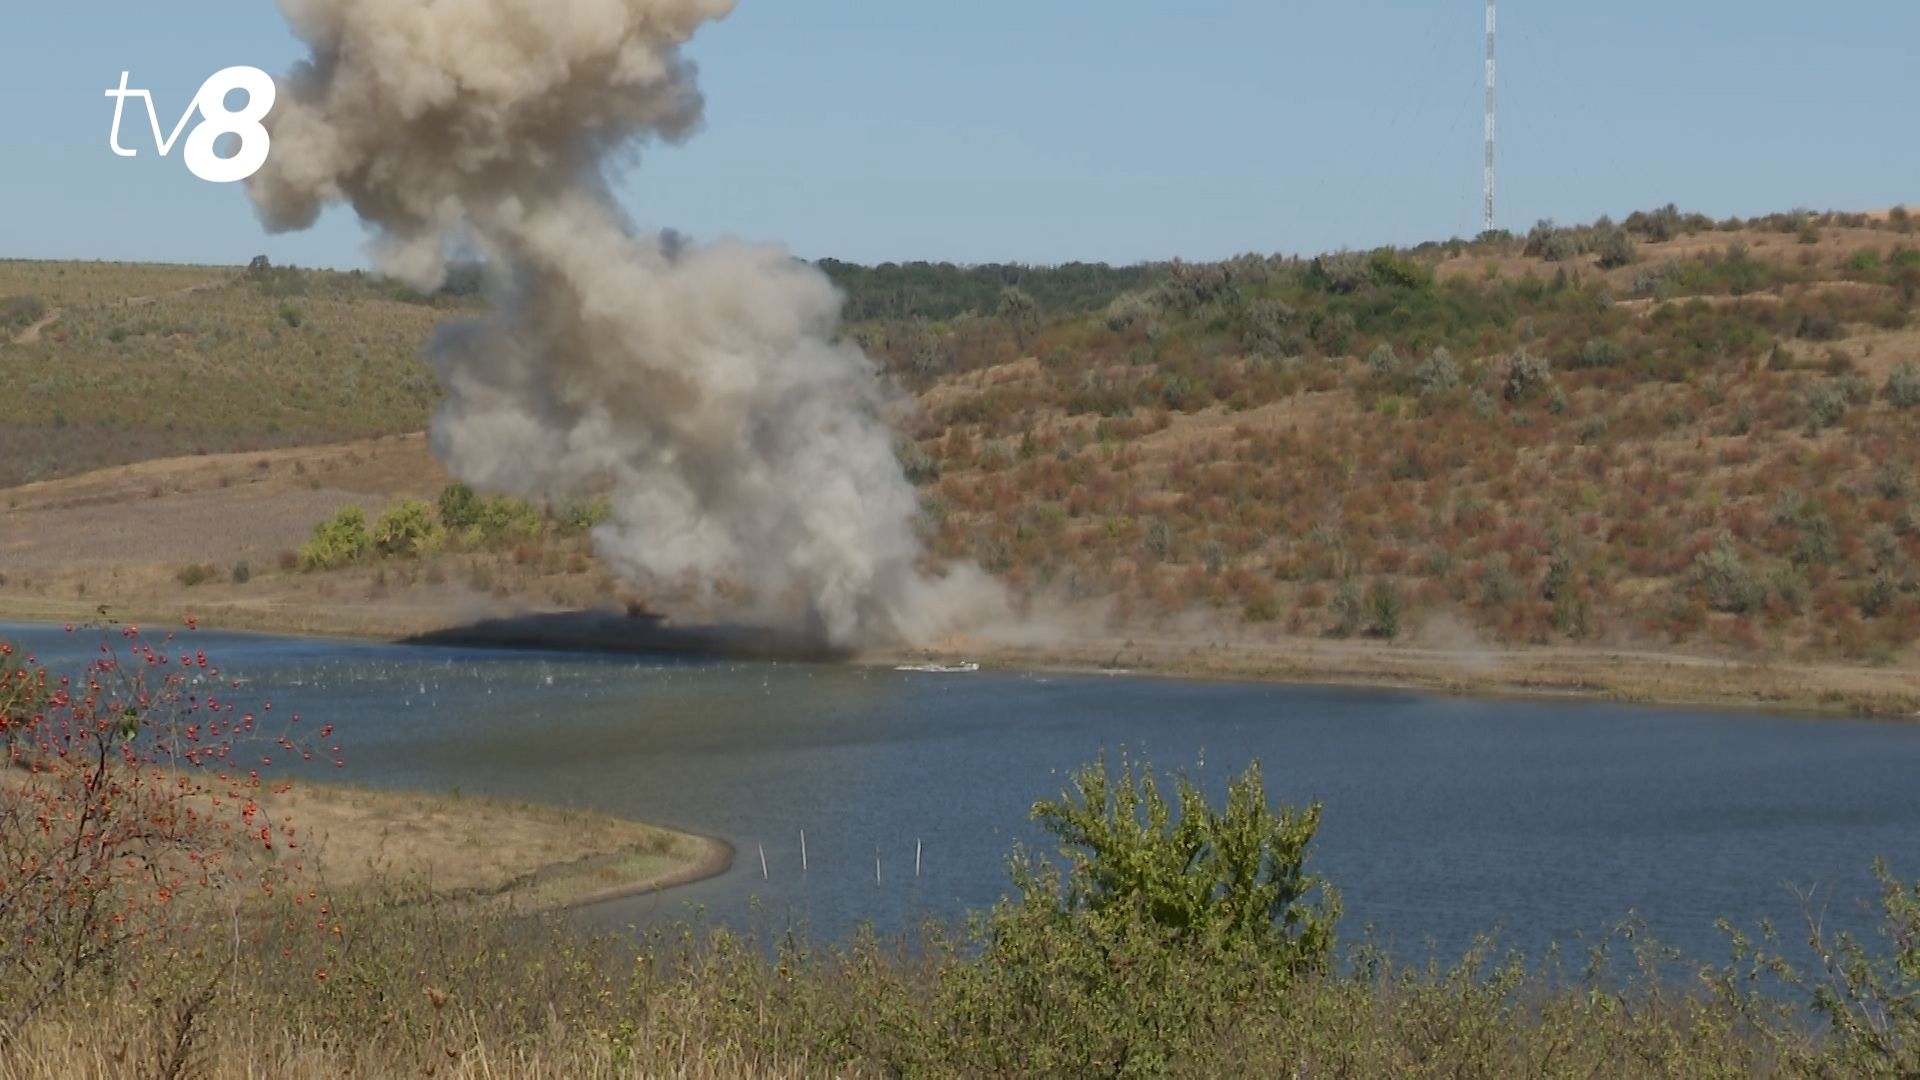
{"x": 1383, "y": 361}
{"x": 585, "y": 515}
{"x": 505, "y": 519}
{"x": 920, "y": 466}
{"x": 340, "y": 541}
{"x": 1437, "y": 374}
{"x": 1167, "y": 912}
{"x": 459, "y": 507}
{"x": 1722, "y": 575}
{"x": 1384, "y": 610}
{"x": 1234, "y": 874}
{"x": 1824, "y": 405}
{"x": 1528, "y": 377}
{"x": 1615, "y": 248}
{"x": 1903, "y": 385}
{"x": 1599, "y": 353}
{"x": 406, "y": 529}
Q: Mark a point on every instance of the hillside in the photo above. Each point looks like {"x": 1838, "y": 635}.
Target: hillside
{"x": 1531, "y": 456}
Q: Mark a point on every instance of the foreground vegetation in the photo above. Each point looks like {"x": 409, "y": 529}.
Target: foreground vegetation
{"x": 144, "y": 932}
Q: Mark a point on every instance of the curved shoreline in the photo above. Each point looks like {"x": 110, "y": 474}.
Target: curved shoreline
{"x": 716, "y": 858}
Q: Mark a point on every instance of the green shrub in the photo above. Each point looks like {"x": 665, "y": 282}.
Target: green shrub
{"x": 194, "y": 574}
{"x": 1616, "y": 249}
{"x": 1235, "y": 875}
{"x": 1728, "y": 584}
{"x": 1528, "y": 377}
{"x": 1384, "y": 609}
{"x": 1903, "y": 385}
{"x": 1437, "y": 374}
{"x": 1824, "y": 406}
{"x": 241, "y": 573}
{"x": 921, "y": 467}
{"x": 1383, "y": 361}
{"x": 406, "y": 530}
{"x": 459, "y": 507}
{"x": 1599, "y": 353}
{"x": 504, "y": 519}
{"x": 338, "y": 542}
{"x": 1816, "y": 545}
{"x": 585, "y": 515}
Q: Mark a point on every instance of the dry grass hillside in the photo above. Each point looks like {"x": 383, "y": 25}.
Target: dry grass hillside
{"x": 1663, "y": 437}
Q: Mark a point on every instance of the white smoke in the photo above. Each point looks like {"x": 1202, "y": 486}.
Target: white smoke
{"x": 707, "y": 384}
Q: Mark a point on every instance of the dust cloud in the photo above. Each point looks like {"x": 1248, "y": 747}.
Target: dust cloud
{"x": 706, "y": 388}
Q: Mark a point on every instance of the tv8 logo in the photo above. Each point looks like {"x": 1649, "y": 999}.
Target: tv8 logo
{"x": 201, "y": 153}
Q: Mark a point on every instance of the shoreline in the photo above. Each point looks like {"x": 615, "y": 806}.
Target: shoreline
{"x": 1592, "y": 674}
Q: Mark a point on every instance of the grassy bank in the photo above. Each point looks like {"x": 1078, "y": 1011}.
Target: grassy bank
{"x": 1198, "y": 949}
{"x": 459, "y": 847}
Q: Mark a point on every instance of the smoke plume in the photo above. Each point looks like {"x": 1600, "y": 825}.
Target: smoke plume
{"x": 708, "y": 385}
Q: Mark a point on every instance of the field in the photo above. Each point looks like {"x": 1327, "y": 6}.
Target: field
{"x": 1670, "y": 458}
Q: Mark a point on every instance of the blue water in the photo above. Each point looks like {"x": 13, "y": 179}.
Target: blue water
{"x": 1444, "y": 817}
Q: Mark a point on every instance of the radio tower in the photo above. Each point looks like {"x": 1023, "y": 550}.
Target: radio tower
{"x": 1490, "y": 59}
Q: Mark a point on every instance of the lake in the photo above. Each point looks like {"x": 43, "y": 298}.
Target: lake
{"x": 1544, "y": 820}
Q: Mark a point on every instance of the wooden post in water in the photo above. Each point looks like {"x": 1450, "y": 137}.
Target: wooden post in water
{"x": 916, "y": 857}
{"x": 876, "y": 867}
{"x": 803, "y": 851}
{"x": 763, "y": 862}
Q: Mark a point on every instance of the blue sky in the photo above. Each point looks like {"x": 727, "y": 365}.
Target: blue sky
{"x": 1054, "y": 130}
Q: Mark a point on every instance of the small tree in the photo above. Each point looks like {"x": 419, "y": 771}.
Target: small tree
{"x": 1384, "y": 609}
{"x": 130, "y": 788}
{"x": 406, "y": 530}
{"x": 1236, "y": 874}
{"x": 1728, "y": 584}
{"x": 1615, "y": 248}
{"x": 338, "y": 542}
{"x": 1020, "y": 312}
{"x": 459, "y": 507}
{"x": 1528, "y": 376}
{"x": 1383, "y": 361}
{"x": 1437, "y": 374}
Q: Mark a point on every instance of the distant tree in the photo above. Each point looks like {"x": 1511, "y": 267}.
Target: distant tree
{"x": 1615, "y": 247}
{"x": 1384, "y": 608}
{"x": 1728, "y": 584}
{"x": 1383, "y": 361}
{"x": 1437, "y": 374}
{"x": 1528, "y": 376}
{"x": 1020, "y": 313}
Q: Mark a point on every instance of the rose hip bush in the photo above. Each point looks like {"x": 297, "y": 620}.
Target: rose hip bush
{"x": 131, "y": 802}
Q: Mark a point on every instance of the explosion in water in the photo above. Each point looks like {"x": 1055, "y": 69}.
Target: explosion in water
{"x": 707, "y": 384}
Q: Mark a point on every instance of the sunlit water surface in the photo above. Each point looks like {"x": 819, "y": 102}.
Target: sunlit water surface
{"x": 1544, "y": 821}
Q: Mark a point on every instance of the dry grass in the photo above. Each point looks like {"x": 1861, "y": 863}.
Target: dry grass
{"x": 1115, "y": 508}
{"x": 537, "y": 856}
